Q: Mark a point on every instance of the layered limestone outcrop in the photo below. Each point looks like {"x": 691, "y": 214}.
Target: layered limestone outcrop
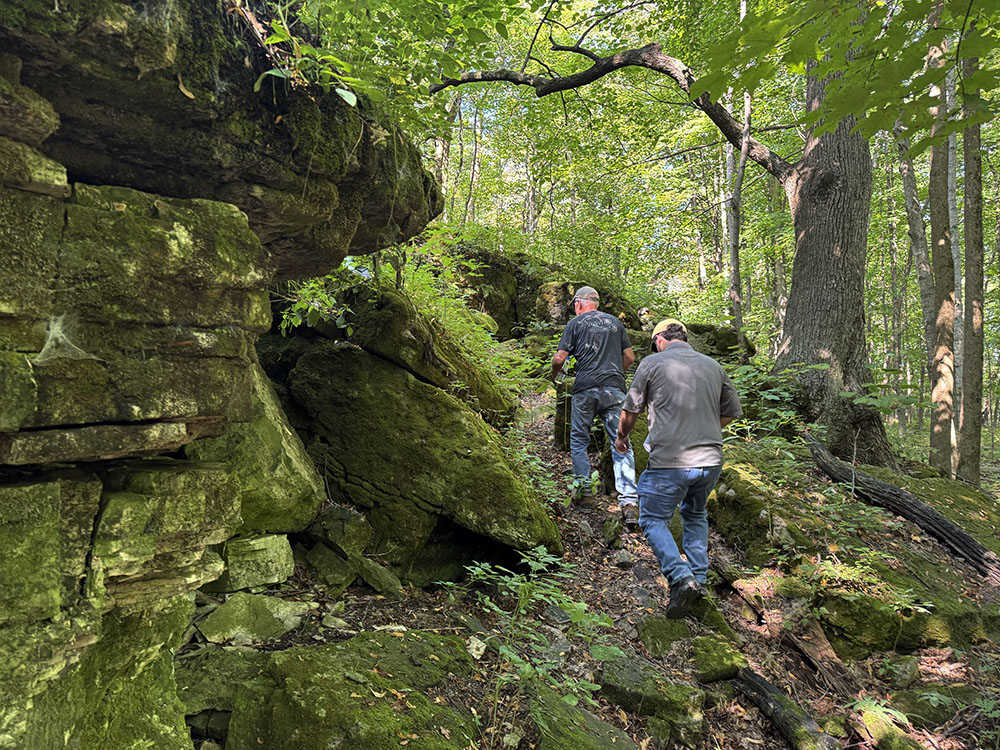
{"x": 148, "y": 198}
{"x": 159, "y": 96}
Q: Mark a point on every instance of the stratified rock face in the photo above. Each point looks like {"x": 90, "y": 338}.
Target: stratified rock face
{"x": 554, "y": 304}
{"x": 159, "y": 97}
{"x": 408, "y": 455}
{"x": 127, "y": 320}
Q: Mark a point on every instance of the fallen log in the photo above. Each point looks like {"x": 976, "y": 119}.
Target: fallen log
{"x": 794, "y": 724}
{"x": 884, "y": 495}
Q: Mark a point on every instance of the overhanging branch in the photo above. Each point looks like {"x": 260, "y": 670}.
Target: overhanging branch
{"x": 650, "y": 57}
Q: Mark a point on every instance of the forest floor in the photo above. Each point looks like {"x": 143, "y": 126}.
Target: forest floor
{"x": 623, "y": 582}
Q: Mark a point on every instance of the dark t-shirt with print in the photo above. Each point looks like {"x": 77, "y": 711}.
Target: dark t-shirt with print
{"x": 597, "y": 340}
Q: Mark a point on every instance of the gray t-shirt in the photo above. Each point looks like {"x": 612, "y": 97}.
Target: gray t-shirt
{"x": 686, "y": 393}
{"x": 597, "y": 340}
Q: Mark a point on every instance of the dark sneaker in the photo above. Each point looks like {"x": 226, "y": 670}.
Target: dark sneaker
{"x": 630, "y": 516}
{"x": 682, "y": 593}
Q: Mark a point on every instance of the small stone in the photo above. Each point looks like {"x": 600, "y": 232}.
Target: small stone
{"x": 903, "y": 671}
{"x": 659, "y": 634}
{"x": 557, "y": 616}
{"x": 329, "y": 621}
{"x": 643, "y": 597}
{"x": 624, "y": 559}
{"x": 612, "y": 529}
{"x": 586, "y": 530}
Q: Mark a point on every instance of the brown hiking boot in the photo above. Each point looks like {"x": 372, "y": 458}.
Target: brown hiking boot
{"x": 585, "y": 503}
{"x": 630, "y": 516}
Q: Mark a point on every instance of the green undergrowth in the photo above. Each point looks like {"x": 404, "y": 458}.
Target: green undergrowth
{"x": 871, "y": 579}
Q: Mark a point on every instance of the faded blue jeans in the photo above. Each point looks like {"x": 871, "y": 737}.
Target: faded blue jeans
{"x": 605, "y": 402}
{"x": 660, "y": 492}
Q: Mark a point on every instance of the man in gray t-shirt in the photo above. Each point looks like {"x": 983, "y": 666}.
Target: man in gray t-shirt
{"x": 690, "y": 399}
{"x": 603, "y": 353}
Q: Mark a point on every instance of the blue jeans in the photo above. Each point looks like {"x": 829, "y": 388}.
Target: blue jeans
{"x": 605, "y": 402}
{"x": 660, "y": 492}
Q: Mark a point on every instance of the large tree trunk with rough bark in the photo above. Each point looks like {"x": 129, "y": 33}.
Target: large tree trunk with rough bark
{"x": 829, "y": 192}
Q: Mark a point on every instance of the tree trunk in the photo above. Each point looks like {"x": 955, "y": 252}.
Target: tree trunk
{"x": 918, "y": 241}
{"x": 779, "y": 286}
{"x": 971, "y": 419}
{"x": 469, "y": 214}
{"x": 956, "y": 261}
{"x": 735, "y": 220}
{"x": 943, "y": 457}
{"x": 829, "y": 192}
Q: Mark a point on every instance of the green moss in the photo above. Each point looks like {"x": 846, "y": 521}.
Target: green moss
{"x": 252, "y": 617}
{"x": 715, "y": 659}
{"x": 18, "y": 391}
{"x": 887, "y": 735}
{"x": 565, "y": 727}
{"x": 934, "y": 705}
{"x": 445, "y": 461}
{"x": 343, "y": 694}
{"x": 117, "y": 687}
{"x": 659, "y": 634}
{"x": 639, "y": 687}
{"x": 279, "y": 488}
{"x": 256, "y": 560}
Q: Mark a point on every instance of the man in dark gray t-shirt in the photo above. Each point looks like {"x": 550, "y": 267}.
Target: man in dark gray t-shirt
{"x": 603, "y": 353}
{"x": 690, "y": 399}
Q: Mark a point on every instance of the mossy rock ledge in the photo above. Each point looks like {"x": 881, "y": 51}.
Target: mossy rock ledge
{"x": 337, "y": 695}
{"x": 424, "y": 468}
{"x": 161, "y": 98}
{"x": 876, "y": 592}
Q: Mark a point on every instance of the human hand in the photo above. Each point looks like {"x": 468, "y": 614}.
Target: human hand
{"x": 622, "y": 444}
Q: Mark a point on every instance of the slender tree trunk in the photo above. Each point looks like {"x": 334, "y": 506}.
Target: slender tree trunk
{"x": 469, "y": 214}
{"x": 726, "y": 179}
{"x": 530, "y": 195}
{"x": 970, "y": 444}
{"x": 442, "y": 147}
{"x": 735, "y": 220}
{"x": 917, "y": 230}
{"x": 699, "y": 239}
{"x": 829, "y": 192}
{"x": 954, "y": 233}
{"x": 943, "y": 457}
{"x": 461, "y": 163}
{"x": 779, "y": 285}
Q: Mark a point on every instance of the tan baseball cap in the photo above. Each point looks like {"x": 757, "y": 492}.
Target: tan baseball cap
{"x": 661, "y": 327}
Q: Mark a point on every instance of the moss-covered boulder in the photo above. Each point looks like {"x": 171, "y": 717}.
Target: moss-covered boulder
{"x": 660, "y": 633}
{"x": 390, "y": 326}
{"x": 342, "y": 526}
{"x": 24, "y": 115}
{"x": 331, "y": 569}
{"x": 562, "y": 726}
{"x": 554, "y": 304}
{"x": 279, "y": 488}
{"x": 887, "y": 735}
{"x": 163, "y": 100}
{"x": 715, "y": 659}
{"x": 252, "y": 618}
{"x": 503, "y": 287}
{"x": 415, "y": 460}
{"x": 640, "y": 687}
{"x": 365, "y": 693}
{"x": 933, "y": 705}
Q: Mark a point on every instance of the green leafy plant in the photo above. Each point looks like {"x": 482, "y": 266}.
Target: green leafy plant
{"x": 513, "y": 600}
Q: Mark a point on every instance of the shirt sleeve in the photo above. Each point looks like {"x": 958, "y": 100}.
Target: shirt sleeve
{"x": 566, "y": 340}
{"x": 729, "y": 401}
{"x": 635, "y": 399}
